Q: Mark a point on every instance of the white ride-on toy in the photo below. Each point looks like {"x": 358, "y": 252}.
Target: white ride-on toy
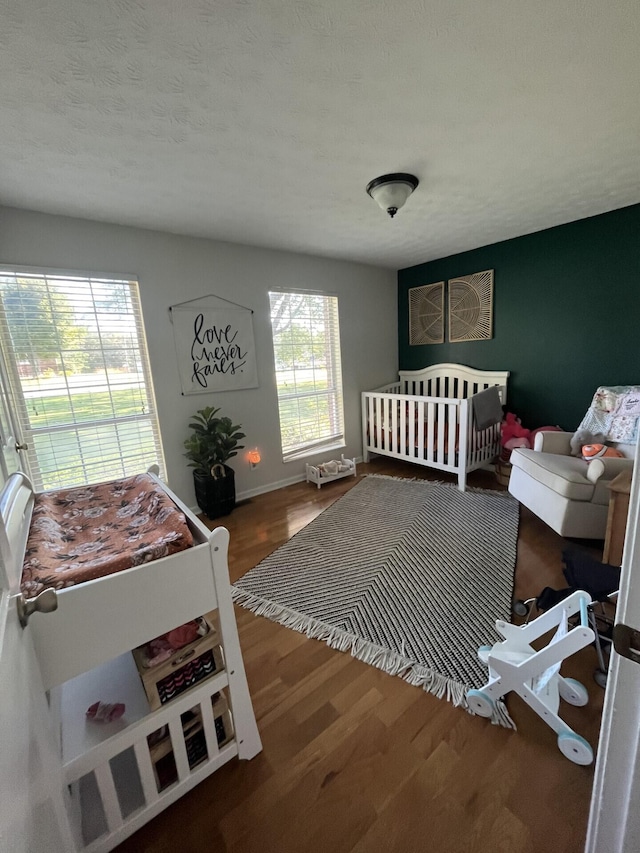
{"x": 535, "y": 675}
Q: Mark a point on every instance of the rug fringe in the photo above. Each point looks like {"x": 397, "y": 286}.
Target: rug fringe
{"x": 425, "y": 482}
{"x": 441, "y": 686}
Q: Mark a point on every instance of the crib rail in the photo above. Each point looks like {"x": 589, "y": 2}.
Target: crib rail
{"x": 452, "y": 381}
{"x": 449, "y": 387}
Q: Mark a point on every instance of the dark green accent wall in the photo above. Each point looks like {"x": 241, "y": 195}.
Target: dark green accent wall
{"x": 566, "y": 314}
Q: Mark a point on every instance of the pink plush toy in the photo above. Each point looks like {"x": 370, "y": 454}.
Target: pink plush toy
{"x": 513, "y": 434}
{"x": 532, "y": 437}
{"x": 105, "y": 712}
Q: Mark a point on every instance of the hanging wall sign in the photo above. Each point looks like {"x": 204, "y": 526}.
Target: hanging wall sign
{"x": 214, "y": 345}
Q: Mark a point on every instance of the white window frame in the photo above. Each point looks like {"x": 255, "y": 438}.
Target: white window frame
{"x": 123, "y": 457}
{"x": 328, "y": 431}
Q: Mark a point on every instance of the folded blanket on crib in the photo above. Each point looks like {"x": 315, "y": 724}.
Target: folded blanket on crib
{"x": 85, "y": 533}
{"x": 487, "y": 408}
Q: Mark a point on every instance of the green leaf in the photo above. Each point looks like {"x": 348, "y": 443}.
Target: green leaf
{"x": 213, "y": 441}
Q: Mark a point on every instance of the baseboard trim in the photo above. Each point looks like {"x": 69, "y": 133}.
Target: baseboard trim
{"x": 269, "y": 487}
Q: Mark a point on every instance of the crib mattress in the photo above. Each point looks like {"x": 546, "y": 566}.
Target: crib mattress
{"x": 88, "y": 532}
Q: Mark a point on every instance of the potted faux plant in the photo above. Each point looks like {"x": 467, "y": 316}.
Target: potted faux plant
{"x": 212, "y": 443}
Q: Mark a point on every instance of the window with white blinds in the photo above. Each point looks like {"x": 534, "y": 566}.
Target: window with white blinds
{"x": 306, "y": 345}
{"x": 78, "y": 373}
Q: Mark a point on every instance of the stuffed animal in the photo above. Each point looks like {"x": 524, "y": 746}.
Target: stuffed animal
{"x": 512, "y": 433}
{"x": 582, "y": 437}
{"x": 534, "y": 432}
{"x": 597, "y": 451}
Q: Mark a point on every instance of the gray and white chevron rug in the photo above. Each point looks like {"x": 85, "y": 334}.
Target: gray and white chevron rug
{"x": 408, "y": 575}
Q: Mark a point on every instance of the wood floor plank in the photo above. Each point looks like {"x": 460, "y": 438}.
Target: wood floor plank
{"x": 307, "y": 685}
{"x": 358, "y": 761}
{"x": 278, "y": 790}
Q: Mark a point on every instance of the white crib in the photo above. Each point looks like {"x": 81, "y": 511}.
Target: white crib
{"x": 427, "y": 417}
{"x": 108, "y": 776}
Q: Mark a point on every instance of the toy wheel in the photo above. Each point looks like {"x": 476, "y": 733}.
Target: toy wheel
{"x": 480, "y": 704}
{"x": 575, "y": 748}
{"x": 600, "y": 678}
{"x": 573, "y": 692}
{"x": 519, "y": 607}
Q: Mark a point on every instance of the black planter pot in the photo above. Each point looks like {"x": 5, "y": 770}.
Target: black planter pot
{"x": 216, "y": 496}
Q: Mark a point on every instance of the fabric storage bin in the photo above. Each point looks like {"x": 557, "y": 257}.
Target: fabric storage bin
{"x": 187, "y": 667}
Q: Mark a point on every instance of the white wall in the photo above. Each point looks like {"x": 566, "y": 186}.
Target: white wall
{"x": 172, "y": 269}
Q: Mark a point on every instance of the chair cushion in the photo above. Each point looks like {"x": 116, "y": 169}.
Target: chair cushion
{"x": 565, "y": 475}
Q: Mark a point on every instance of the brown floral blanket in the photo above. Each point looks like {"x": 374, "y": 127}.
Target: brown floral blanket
{"x": 87, "y": 532}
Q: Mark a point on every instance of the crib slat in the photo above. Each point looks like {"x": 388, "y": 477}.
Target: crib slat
{"x": 412, "y": 423}
{"x": 107, "y": 789}
{"x": 366, "y": 427}
{"x": 453, "y": 434}
{"x": 375, "y": 436}
{"x": 145, "y": 769}
{"x": 403, "y": 427}
{"x": 466, "y": 417}
{"x": 179, "y": 748}
{"x": 420, "y": 428}
{"x": 375, "y": 424}
{"x": 386, "y": 420}
{"x": 486, "y": 443}
{"x": 393, "y": 443}
{"x": 370, "y": 438}
{"x": 476, "y": 441}
{"x": 440, "y": 448}
{"x": 431, "y": 418}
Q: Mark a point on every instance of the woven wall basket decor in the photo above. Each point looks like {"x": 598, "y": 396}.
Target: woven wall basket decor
{"x": 426, "y": 314}
{"x": 471, "y": 307}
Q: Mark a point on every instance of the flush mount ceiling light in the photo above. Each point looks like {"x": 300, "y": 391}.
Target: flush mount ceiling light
{"x": 391, "y": 191}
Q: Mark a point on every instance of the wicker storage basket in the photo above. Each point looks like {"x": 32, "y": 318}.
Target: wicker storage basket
{"x": 503, "y": 472}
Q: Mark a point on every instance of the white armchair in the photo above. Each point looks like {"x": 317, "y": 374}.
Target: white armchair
{"x": 567, "y": 493}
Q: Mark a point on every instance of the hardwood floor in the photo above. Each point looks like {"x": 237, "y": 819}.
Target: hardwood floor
{"x": 358, "y": 761}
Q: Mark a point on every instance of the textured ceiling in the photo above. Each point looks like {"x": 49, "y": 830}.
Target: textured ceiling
{"x": 261, "y": 121}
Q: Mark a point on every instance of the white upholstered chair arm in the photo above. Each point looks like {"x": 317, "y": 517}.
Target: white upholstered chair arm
{"x": 554, "y": 442}
{"x": 607, "y": 468}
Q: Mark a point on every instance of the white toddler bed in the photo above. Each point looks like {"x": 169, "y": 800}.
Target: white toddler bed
{"x": 83, "y": 648}
{"x": 429, "y": 417}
